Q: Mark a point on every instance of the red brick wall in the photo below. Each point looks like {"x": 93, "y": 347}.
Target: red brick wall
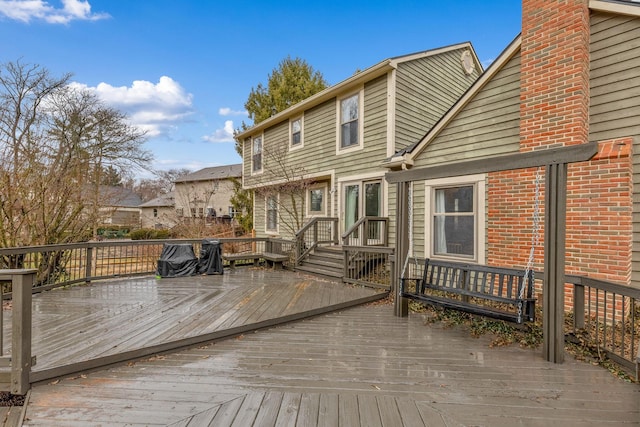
{"x": 554, "y": 79}
{"x": 599, "y": 206}
{"x": 554, "y": 111}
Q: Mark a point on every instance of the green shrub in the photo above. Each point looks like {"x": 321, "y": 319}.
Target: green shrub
{"x": 149, "y": 234}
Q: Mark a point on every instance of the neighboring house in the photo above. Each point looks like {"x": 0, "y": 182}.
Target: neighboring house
{"x": 159, "y": 213}
{"x": 120, "y": 206}
{"x": 323, "y": 156}
{"x": 206, "y": 193}
{"x": 571, "y": 78}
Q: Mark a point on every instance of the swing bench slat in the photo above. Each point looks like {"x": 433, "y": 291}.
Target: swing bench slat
{"x": 484, "y": 290}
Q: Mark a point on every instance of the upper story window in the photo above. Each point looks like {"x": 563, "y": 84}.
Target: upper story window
{"x": 155, "y": 212}
{"x": 349, "y": 118}
{"x": 350, "y": 128}
{"x": 295, "y": 133}
{"x": 256, "y": 154}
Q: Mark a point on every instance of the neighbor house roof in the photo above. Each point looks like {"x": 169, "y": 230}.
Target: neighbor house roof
{"x": 213, "y": 173}
{"x": 165, "y": 200}
{"x": 352, "y": 82}
{"x": 120, "y": 197}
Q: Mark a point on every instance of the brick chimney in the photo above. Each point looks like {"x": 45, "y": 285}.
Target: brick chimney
{"x": 554, "y": 79}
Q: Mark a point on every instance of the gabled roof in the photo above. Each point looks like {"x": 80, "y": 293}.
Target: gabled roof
{"x": 351, "y": 83}
{"x": 406, "y": 156}
{"x": 119, "y": 197}
{"x": 165, "y": 200}
{"x": 624, "y": 7}
{"x": 213, "y": 173}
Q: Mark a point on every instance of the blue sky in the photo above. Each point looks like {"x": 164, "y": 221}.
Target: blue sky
{"x": 182, "y": 69}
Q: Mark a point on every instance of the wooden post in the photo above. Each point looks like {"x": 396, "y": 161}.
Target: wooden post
{"x": 554, "y": 261}
{"x": 21, "y": 282}
{"x": 401, "y": 305}
{"x": 89, "y": 266}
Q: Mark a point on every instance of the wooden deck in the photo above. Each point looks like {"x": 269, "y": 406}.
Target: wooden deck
{"x": 84, "y": 327}
{"x": 354, "y": 367}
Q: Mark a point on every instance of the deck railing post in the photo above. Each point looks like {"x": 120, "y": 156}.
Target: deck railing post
{"x": 22, "y": 283}
{"x": 89, "y": 264}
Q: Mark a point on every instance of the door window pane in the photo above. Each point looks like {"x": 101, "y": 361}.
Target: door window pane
{"x": 352, "y": 205}
{"x": 316, "y": 199}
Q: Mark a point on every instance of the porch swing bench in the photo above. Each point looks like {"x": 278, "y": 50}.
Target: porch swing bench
{"x": 497, "y": 292}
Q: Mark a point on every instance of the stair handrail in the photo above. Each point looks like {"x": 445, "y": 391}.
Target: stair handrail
{"x": 303, "y": 246}
{"x": 363, "y": 222}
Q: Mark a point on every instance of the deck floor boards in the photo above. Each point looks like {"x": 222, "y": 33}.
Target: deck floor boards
{"x": 358, "y": 366}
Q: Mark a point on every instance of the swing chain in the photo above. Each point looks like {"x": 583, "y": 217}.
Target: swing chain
{"x": 410, "y": 220}
{"x": 535, "y": 237}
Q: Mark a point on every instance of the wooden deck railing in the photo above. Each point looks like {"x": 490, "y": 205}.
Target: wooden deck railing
{"x": 368, "y": 231}
{"x": 369, "y": 266}
{"x": 607, "y": 315}
{"x": 317, "y": 231}
{"x": 63, "y": 265}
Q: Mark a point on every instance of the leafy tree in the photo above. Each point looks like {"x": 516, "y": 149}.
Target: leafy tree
{"x": 242, "y": 202}
{"x": 294, "y": 80}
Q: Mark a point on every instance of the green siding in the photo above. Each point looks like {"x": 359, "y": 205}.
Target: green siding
{"x": 488, "y": 125}
{"x": 425, "y": 89}
{"x": 422, "y": 99}
{"x": 615, "y": 97}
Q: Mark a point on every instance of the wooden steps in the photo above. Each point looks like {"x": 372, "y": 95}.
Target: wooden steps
{"x": 324, "y": 261}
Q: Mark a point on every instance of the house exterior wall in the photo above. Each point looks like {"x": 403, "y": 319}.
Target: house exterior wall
{"x": 600, "y": 205}
{"x": 425, "y": 89}
{"x": 489, "y": 125}
{"x": 614, "y": 112}
{"x": 200, "y": 195}
{"x": 166, "y": 217}
{"x": 394, "y": 109}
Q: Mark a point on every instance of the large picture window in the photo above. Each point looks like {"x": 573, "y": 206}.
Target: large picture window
{"x": 454, "y": 221}
{"x": 349, "y": 121}
{"x": 455, "y": 214}
{"x": 256, "y": 154}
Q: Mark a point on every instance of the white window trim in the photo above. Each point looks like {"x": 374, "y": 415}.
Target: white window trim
{"x": 261, "y": 170}
{"x": 325, "y": 198}
{"x": 266, "y": 214}
{"x": 301, "y": 144}
{"x": 360, "y": 145}
{"x": 479, "y": 183}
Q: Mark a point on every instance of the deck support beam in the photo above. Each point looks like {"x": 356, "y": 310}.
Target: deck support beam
{"x": 401, "y": 305}
{"x": 554, "y": 262}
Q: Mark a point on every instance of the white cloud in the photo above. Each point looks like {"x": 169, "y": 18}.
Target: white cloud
{"x": 152, "y": 107}
{"x": 226, "y": 111}
{"x": 222, "y": 135}
{"x": 26, "y": 10}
